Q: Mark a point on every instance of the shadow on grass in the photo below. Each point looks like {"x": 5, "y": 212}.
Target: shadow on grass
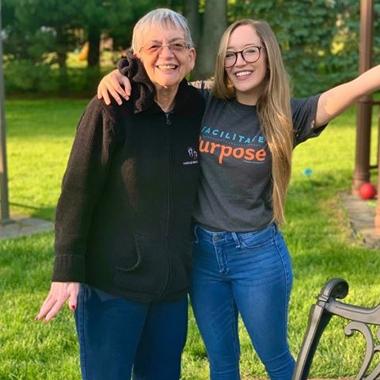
{"x": 40, "y": 212}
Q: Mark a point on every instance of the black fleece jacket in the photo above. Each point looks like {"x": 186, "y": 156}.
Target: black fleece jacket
{"x": 123, "y": 219}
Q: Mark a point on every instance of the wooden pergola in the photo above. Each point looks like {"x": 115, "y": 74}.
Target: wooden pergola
{"x": 363, "y": 167}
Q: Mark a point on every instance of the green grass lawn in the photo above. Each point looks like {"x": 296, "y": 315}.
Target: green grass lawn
{"x": 40, "y": 133}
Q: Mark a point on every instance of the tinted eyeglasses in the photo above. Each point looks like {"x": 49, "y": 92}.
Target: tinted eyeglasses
{"x": 174, "y": 47}
{"x": 250, "y": 54}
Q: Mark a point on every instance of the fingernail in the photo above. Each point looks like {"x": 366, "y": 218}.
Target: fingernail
{"x": 73, "y": 307}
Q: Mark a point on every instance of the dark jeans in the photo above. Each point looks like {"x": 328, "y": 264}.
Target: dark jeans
{"x": 118, "y": 336}
{"x": 247, "y": 273}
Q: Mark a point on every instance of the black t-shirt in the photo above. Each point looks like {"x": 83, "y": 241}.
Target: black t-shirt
{"x": 235, "y": 190}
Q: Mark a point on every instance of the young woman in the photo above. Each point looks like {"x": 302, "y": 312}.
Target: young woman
{"x": 124, "y": 215}
{"x": 241, "y": 264}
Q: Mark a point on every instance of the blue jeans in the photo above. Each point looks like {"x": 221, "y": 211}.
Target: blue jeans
{"x": 248, "y": 273}
{"x": 117, "y": 335}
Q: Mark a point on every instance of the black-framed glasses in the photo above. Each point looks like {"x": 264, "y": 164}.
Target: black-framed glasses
{"x": 174, "y": 47}
{"x": 250, "y": 54}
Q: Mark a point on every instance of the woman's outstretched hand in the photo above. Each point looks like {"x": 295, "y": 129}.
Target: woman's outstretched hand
{"x": 112, "y": 84}
{"x": 59, "y": 293}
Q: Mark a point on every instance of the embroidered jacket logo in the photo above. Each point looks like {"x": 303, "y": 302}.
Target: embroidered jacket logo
{"x": 192, "y": 155}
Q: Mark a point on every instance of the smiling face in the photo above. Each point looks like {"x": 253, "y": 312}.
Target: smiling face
{"x": 247, "y": 78}
{"x": 166, "y": 56}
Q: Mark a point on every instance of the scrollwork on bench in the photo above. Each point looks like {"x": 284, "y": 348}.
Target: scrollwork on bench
{"x": 360, "y": 318}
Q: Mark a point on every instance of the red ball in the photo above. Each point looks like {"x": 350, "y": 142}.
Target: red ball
{"x": 367, "y": 191}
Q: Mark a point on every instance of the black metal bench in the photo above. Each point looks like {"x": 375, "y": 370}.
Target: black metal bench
{"x": 360, "y": 319}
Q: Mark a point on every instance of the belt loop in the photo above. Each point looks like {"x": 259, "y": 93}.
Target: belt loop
{"x": 236, "y": 239}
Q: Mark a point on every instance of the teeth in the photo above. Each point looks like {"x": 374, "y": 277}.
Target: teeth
{"x": 166, "y": 66}
{"x": 243, "y": 73}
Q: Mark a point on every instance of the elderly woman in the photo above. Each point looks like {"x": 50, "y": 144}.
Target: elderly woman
{"x": 123, "y": 219}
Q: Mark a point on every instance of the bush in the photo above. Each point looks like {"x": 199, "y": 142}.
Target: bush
{"x": 27, "y": 77}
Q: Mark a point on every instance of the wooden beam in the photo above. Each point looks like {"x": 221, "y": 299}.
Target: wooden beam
{"x": 364, "y": 110}
{"x": 364, "y": 106}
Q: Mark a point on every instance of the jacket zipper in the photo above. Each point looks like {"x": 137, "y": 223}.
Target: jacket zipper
{"x": 167, "y": 118}
{"x": 168, "y": 122}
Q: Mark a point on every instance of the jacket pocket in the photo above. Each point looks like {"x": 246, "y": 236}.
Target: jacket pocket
{"x": 149, "y": 273}
{"x": 132, "y": 260}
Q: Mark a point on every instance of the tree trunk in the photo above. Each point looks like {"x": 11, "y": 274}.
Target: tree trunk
{"x": 194, "y": 19}
{"x": 93, "y": 57}
{"x": 214, "y": 24}
{"x": 61, "y": 51}
{"x": 61, "y": 48}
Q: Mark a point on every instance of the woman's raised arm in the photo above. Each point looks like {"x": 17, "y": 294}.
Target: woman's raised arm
{"x": 334, "y": 101}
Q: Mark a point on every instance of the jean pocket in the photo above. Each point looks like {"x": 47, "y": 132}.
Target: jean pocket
{"x": 255, "y": 239}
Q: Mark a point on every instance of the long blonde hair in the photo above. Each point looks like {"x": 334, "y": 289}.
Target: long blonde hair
{"x": 273, "y": 108}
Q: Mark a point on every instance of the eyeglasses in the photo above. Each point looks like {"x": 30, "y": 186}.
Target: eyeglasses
{"x": 174, "y": 47}
{"x": 250, "y": 54}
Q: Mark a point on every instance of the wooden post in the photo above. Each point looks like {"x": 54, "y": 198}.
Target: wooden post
{"x": 364, "y": 106}
{"x": 4, "y": 204}
{"x": 377, "y": 216}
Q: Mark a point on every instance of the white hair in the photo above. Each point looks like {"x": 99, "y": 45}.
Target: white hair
{"x": 163, "y": 17}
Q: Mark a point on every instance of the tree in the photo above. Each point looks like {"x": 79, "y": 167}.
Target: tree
{"x": 39, "y": 33}
{"x": 115, "y": 18}
{"x": 318, "y": 38}
{"x": 214, "y": 22}
{"x": 193, "y": 16}
{"x": 121, "y": 20}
